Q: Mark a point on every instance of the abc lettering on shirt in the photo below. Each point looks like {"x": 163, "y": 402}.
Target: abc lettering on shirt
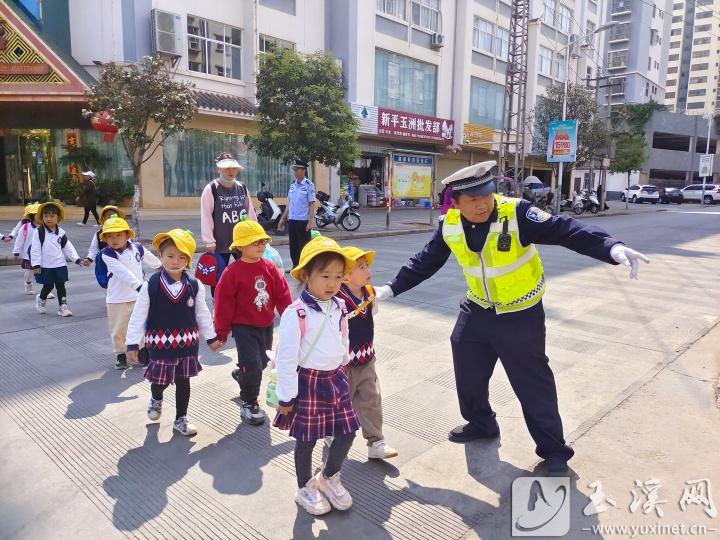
{"x": 232, "y": 207}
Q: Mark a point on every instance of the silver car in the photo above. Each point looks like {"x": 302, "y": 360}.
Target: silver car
{"x": 693, "y": 193}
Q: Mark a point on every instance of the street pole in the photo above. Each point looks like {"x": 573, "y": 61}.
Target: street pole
{"x": 707, "y": 151}
{"x": 558, "y": 197}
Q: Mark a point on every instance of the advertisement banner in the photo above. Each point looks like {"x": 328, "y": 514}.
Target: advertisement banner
{"x": 706, "y": 165}
{"x": 562, "y": 141}
{"x": 415, "y": 126}
{"x": 412, "y": 177}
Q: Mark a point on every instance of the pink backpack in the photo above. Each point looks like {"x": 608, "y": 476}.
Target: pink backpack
{"x": 298, "y": 306}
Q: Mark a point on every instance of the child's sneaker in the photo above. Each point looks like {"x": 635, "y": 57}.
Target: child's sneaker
{"x": 40, "y": 305}
{"x": 121, "y": 361}
{"x": 183, "y": 427}
{"x": 155, "y": 409}
{"x": 333, "y": 489}
{"x": 310, "y": 498}
{"x": 380, "y": 450}
{"x": 29, "y": 289}
{"x": 252, "y": 413}
{"x": 64, "y": 311}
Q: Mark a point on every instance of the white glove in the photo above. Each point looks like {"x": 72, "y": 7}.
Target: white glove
{"x": 383, "y": 293}
{"x": 628, "y": 257}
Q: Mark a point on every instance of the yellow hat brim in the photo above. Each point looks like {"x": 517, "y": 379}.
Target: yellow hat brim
{"x": 349, "y": 263}
{"x": 250, "y": 239}
{"x": 38, "y": 214}
{"x": 119, "y": 213}
{"x": 356, "y": 253}
{"x": 117, "y": 229}
{"x": 185, "y": 250}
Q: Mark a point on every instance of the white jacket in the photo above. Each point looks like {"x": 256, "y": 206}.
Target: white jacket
{"x": 23, "y": 241}
{"x": 94, "y": 247}
{"x": 330, "y": 352}
{"x": 52, "y": 254}
{"x": 126, "y": 271}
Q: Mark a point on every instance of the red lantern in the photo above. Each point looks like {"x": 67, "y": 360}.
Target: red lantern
{"x": 102, "y": 121}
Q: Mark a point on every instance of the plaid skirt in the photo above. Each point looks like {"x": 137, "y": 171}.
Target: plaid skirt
{"x": 322, "y": 407}
{"x": 162, "y": 370}
{"x": 26, "y": 265}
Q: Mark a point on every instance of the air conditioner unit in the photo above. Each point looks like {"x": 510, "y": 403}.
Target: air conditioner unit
{"x": 437, "y": 41}
{"x": 193, "y": 44}
{"x": 167, "y": 33}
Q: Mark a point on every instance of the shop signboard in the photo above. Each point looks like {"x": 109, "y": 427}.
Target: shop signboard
{"x": 478, "y": 135}
{"x": 367, "y": 117}
{"x": 412, "y": 176}
{"x": 415, "y": 127}
{"x": 562, "y": 141}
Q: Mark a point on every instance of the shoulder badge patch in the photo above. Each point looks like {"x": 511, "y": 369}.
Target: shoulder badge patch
{"x": 537, "y": 215}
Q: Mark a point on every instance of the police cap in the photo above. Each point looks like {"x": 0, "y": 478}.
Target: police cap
{"x": 474, "y": 180}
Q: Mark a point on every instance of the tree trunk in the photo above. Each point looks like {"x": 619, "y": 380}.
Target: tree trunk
{"x": 136, "y": 202}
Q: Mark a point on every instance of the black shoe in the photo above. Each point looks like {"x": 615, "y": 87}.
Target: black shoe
{"x": 121, "y": 361}
{"x": 468, "y": 432}
{"x": 143, "y": 357}
{"x": 556, "y": 466}
{"x": 252, "y": 413}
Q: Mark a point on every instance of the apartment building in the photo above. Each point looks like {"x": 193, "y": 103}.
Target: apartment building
{"x": 692, "y": 85}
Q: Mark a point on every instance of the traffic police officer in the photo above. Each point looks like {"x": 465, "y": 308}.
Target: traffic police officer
{"x": 300, "y": 211}
{"x": 493, "y": 239}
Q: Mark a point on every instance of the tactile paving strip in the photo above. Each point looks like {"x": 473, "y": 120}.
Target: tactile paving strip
{"x": 375, "y": 497}
{"x": 101, "y": 460}
{"x": 500, "y": 390}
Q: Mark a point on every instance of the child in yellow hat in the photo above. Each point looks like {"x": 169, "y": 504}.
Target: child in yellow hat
{"x": 312, "y": 387}
{"x": 23, "y": 240}
{"x": 359, "y": 297}
{"x": 169, "y": 316}
{"x": 122, "y": 277}
{"x": 249, "y": 292}
{"x": 96, "y": 244}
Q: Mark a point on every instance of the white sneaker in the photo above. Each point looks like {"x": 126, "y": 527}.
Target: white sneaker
{"x": 64, "y": 311}
{"x": 29, "y": 288}
{"x": 155, "y": 409}
{"x": 333, "y": 489}
{"x": 310, "y": 498}
{"x": 81, "y": 224}
{"x": 380, "y": 450}
{"x": 40, "y": 305}
{"x": 50, "y": 296}
{"x": 184, "y": 427}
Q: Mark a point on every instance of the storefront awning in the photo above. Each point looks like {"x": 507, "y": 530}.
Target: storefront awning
{"x": 211, "y": 101}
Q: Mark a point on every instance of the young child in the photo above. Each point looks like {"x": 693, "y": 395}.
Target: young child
{"x": 96, "y": 243}
{"x": 359, "y": 298}
{"x": 50, "y": 250}
{"x": 123, "y": 259}
{"x": 249, "y": 292}
{"x": 169, "y": 315}
{"x": 315, "y": 399}
{"x": 16, "y": 229}
{"x": 23, "y": 241}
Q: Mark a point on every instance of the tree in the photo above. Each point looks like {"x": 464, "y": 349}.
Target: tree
{"x": 84, "y": 157}
{"x": 593, "y": 136}
{"x": 302, "y": 111}
{"x": 147, "y": 106}
{"x": 631, "y": 151}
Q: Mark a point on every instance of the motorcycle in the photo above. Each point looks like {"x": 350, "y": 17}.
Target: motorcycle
{"x": 590, "y": 201}
{"x": 343, "y": 214}
{"x": 575, "y": 204}
{"x": 270, "y": 211}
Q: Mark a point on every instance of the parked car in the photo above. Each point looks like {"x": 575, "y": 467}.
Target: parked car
{"x": 693, "y": 193}
{"x": 671, "y": 194}
{"x": 639, "y": 194}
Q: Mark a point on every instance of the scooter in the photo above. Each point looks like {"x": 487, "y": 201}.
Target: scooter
{"x": 343, "y": 214}
{"x": 575, "y": 204}
{"x": 590, "y": 201}
{"x": 270, "y": 211}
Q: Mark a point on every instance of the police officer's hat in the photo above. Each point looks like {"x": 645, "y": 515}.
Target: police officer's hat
{"x": 474, "y": 180}
{"x": 298, "y": 164}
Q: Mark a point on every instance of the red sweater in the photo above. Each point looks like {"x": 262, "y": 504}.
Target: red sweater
{"x": 249, "y": 294}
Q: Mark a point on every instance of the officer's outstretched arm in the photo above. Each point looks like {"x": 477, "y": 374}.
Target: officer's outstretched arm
{"x": 422, "y": 265}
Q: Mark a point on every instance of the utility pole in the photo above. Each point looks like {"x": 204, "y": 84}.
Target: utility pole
{"x": 514, "y": 102}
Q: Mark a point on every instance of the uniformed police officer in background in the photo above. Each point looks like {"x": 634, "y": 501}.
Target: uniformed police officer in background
{"x": 300, "y": 211}
{"x": 492, "y": 238}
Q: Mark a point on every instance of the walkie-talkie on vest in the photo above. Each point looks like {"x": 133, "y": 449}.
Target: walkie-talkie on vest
{"x": 504, "y": 240}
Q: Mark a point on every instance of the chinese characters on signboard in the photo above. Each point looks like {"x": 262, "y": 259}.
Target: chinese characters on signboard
{"x": 562, "y": 141}
{"x": 412, "y": 177}
{"x": 401, "y": 125}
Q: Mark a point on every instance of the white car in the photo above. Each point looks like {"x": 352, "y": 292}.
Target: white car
{"x": 639, "y": 194}
{"x": 693, "y": 193}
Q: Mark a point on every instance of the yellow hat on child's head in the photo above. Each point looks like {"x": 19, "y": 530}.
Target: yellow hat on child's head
{"x": 356, "y": 253}
{"x": 115, "y": 210}
{"x": 55, "y": 204}
{"x": 30, "y": 209}
{"x": 183, "y": 240}
{"x": 246, "y": 232}
{"x": 316, "y": 246}
{"x": 116, "y": 224}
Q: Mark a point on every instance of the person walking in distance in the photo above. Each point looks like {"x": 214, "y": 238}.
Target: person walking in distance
{"x": 88, "y": 198}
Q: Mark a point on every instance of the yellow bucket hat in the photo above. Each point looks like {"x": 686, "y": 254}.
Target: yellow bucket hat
{"x": 30, "y": 209}
{"x": 116, "y": 224}
{"x": 246, "y": 232}
{"x": 183, "y": 240}
{"x": 356, "y": 253}
{"x": 41, "y": 207}
{"x": 115, "y": 209}
{"x": 316, "y": 246}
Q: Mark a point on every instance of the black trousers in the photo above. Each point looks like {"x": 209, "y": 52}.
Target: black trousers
{"x": 182, "y": 393}
{"x": 338, "y": 452}
{"x": 59, "y": 286}
{"x": 298, "y": 237}
{"x": 481, "y": 336}
{"x": 86, "y": 215}
{"x": 251, "y": 343}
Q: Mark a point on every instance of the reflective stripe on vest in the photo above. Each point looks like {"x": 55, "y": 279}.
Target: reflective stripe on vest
{"x": 505, "y": 280}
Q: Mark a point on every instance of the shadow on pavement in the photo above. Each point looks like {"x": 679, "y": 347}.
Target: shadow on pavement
{"x": 91, "y": 397}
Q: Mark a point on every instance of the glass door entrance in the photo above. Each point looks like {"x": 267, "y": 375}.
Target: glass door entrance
{"x": 28, "y": 165}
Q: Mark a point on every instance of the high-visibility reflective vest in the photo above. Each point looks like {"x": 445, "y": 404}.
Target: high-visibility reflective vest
{"x": 507, "y": 281}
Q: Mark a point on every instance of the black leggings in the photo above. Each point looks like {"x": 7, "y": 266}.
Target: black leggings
{"x": 92, "y": 209}
{"x": 182, "y": 394}
{"x": 61, "y": 292}
{"x": 303, "y": 457}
